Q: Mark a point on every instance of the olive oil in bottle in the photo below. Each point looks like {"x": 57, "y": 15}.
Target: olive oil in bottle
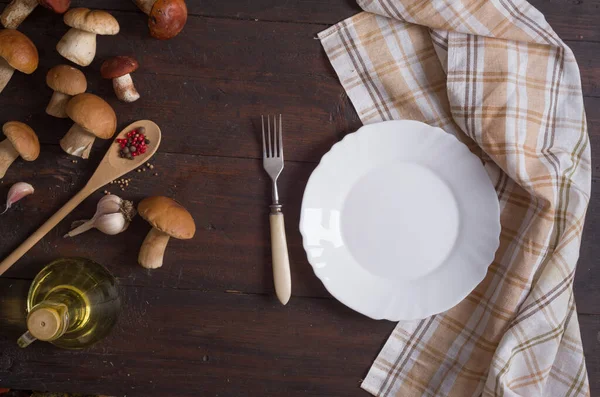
{"x": 72, "y": 303}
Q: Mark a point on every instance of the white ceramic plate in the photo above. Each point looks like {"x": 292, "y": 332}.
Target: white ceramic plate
{"x": 400, "y": 220}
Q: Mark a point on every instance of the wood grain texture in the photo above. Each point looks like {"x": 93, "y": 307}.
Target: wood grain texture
{"x": 209, "y": 84}
{"x": 109, "y": 169}
{"x": 202, "y": 343}
{"x": 572, "y": 19}
{"x": 228, "y": 198}
{"x": 590, "y": 334}
{"x": 207, "y": 88}
{"x": 299, "y": 11}
{"x": 191, "y": 343}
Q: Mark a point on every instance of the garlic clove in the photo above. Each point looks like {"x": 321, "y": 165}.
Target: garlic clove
{"x": 17, "y": 192}
{"x": 111, "y": 224}
{"x": 110, "y": 198}
{"x": 113, "y": 215}
{"x": 109, "y": 204}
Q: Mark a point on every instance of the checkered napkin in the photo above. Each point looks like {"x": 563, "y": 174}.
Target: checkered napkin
{"x": 493, "y": 73}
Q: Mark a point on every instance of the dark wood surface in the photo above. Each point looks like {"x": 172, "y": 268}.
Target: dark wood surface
{"x": 207, "y": 323}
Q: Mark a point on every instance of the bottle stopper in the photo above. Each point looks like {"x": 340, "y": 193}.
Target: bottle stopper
{"x": 44, "y": 323}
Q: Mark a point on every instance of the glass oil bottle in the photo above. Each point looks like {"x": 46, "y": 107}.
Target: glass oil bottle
{"x": 72, "y": 303}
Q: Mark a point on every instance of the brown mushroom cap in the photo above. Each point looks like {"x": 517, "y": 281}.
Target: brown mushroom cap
{"x": 93, "y": 21}
{"x": 118, "y": 66}
{"x": 58, "y": 6}
{"x": 167, "y": 18}
{"x": 18, "y": 51}
{"x": 94, "y": 114}
{"x": 168, "y": 216}
{"x": 23, "y": 139}
{"x": 66, "y": 79}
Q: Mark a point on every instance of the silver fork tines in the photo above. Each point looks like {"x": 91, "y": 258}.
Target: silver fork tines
{"x": 273, "y": 152}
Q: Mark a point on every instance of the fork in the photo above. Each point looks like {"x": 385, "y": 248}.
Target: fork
{"x": 273, "y": 164}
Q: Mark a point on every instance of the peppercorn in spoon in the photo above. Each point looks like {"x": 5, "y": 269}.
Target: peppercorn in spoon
{"x": 112, "y": 166}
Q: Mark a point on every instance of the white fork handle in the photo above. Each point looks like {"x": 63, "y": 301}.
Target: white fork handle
{"x": 281, "y": 260}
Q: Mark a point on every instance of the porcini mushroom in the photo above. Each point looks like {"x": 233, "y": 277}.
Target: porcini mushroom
{"x": 94, "y": 118}
{"x": 20, "y": 140}
{"x": 15, "y": 13}
{"x": 66, "y": 81}
{"x": 118, "y": 69}
{"x": 168, "y": 219}
{"x": 78, "y": 45}
{"x": 16, "y": 52}
{"x": 166, "y": 18}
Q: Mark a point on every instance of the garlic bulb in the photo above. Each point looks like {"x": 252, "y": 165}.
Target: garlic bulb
{"x": 113, "y": 216}
{"x": 17, "y": 192}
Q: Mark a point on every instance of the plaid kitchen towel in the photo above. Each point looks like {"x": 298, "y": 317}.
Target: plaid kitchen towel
{"x": 495, "y": 74}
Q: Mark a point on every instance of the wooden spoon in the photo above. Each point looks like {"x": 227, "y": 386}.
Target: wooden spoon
{"x": 111, "y": 167}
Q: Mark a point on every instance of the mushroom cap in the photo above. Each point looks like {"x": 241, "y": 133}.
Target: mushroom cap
{"x": 66, "y": 79}
{"x": 118, "y": 66}
{"x": 167, "y": 18}
{"x": 23, "y": 139}
{"x": 93, "y": 21}
{"x": 168, "y": 216}
{"x": 94, "y": 114}
{"x": 58, "y": 6}
{"x": 18, "y": 51}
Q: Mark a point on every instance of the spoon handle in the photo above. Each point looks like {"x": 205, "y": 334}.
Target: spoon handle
{"x": 45, "y": 228}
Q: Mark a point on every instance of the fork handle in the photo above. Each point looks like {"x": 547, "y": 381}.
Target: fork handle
{"x": 281, "y": 260}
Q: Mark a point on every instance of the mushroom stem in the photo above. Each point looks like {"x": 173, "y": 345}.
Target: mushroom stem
{"x": 6, "y": 72}
{"x": 125, "y": 89}
{"x": 8, "y": 155}
{"x": 16, "y": 12}
{"x": 145, "y": 5}
{"x": 78, "y": 141}
{"x": 78, "y": 46}
{"x": 153, "y": 249}
{"x": 57, "y": 106}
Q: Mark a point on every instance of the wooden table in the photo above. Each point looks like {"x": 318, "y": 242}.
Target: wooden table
{"x": 207, "y": 323}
